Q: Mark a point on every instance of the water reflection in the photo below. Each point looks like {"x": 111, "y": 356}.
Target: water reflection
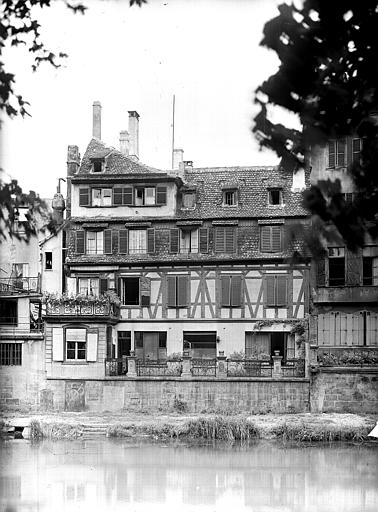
{"x": 109, "y": 475}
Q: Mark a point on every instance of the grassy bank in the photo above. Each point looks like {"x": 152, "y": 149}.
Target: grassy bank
{"x": 55, "y": 430}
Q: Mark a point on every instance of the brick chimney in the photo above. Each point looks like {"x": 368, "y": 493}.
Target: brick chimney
{"x": 134, "y": 134}
{"x": 124, "y": 142}
{"x": 178, "y": 157}
{"x": 96, "y": 130}
{"x": 73, "y": 163}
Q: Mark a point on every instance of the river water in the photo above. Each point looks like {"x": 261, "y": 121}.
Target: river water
{"x": 118, "y": 475}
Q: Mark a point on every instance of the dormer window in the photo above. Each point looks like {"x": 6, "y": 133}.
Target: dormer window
{"x": 98, "y": 165}
{"x": 189, "y": 199}
{"x": 275, "y": 197}
{"x": 230, "y": 197}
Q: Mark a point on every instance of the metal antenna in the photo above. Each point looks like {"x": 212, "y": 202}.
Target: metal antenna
{"x": 173, "y": 129}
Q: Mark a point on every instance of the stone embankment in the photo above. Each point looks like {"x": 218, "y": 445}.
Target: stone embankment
{"x": 296, "y": 427}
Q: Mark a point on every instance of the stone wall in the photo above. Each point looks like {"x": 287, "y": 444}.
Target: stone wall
{"x": 345, "y": 390}
{"x": 254, "y": 396}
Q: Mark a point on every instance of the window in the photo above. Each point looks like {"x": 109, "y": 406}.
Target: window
{"x": 130, "y": 291}
{"x": 10, "y": 354}
{"x": 202, "y": 344}
{"x": 337, "y": 153}
{"x": 20, "y": 270}
{"x": 123, "y": 196}
{"x": 178, "y": 291}
{"x": 189, "y": 241}
{"x": 151, "y": 345}
{"x": 144, "y": 196}
{"x": 76, "y": 344}
{"x": 257, "y": 345}
{"x": 271, "y": 238}
{"x": 8, "y": 312}
{"x": 230, "y": 198}
{"x": 88, "y": 286}
{"x": 336, "y": 266}
{"x": 225, "y": 239}
{"x": 98, "y": 165}
{"x": 274, "y": 196}
{"x": 356, "y": 150}
{"x": 231, "y": 291}
{"x": 189, "y": 200}
{"x": 137, "y": 241}
{"x": 48, "y": 260}
{"x": 139, "y": 196}
{"x": 21, "y": 220}
{"x": 95, "y": 242}
{"x": 84, "y": 197}
{"x": 275, "y": 290}
{"x": 367, "y": 271}
{"x": 101, "y": 196}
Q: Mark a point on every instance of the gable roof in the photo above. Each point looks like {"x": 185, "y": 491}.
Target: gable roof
{"x": 115, "y": 161}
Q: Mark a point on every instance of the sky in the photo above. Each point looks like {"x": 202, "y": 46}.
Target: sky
{"x": 206, "y": 52}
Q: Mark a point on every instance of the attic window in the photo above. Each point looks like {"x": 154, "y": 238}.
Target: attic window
{"x": 98, "y": 165}
{"x": 230, "y": 197}
{"x": 189, "y": 199}
{"x": 275, "y": 196}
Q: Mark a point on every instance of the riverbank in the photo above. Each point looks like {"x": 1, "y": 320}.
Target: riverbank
{"x": 297, "y": 427}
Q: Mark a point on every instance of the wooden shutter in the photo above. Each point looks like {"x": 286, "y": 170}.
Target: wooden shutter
{"x": 127, "y": 196}
{"x": 150, "y": 240}
{"x": 182, "y": 290}
{"x": 174, "y": 240}
{"x": 281, "y": 290}
{"x": 103, "y": 285}
{"x": 117, "y": 195}
{"x": 219, "y": 240}
{"x": 371, "y": 328}
{"x": 225, "y": 287}
{"x": 230, "y": 239}
{"x": 331, "y": 153}
{"x": 145, "y": 290}
{"x": 171, "y": 291}
{"x": 107, "y": 241}
{"x": 320, "y": 272}
{"x": 269, "y": 290}
{"x": 341, "y": 151}
{"x": 80, "y": 241}
{"x": 161, "y": 195}
{"x": 92, "y": 338}
{"x": 57, "y": 344}
{"x": 115, "y": 241}
{"x": 276, "y": 232}
{"x": 203, "y": 240}
{"x": 123, "y": 241}
{"x": 84, "y": 196}
{"x": 236, "y": 291}
{"x": 353, "y": 268}
{"x": 265, "y": 239}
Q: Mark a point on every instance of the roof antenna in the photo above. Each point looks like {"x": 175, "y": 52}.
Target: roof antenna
{"x": 173, "y": 129}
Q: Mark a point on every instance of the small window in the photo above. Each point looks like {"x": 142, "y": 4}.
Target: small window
{"x": 229, "y": 198}
{"x": 97, "y": 165}
{"x": 130, "y": 291}
{"x": 189, "y": 200}
{"x": 274, "y": 196}
{"x": 367, "y": 271}
{"x": 336, "y": 266}
{"x": 48, "y": 260}
{"x": 10, "y": 354}
{"x": 76, "y": 342}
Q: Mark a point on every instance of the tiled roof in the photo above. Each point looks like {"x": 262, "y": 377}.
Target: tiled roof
{"x": 115, "y": 161}
{"x": 252, "y": 184}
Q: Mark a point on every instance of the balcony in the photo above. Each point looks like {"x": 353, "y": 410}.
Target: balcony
{"x": 361, "y": 294}
{"x": 20, "y": 285}
{"x": 82, "y": 307}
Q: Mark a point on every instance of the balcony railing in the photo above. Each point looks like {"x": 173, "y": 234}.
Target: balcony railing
{"x": 348, "y": 356}
{"x": 19, "y": 285}
{"x": 116, "y": 366}
{"x": 158, "y": 368}
{"x": 249, "y": 368}
{"x": 79, "y": 307}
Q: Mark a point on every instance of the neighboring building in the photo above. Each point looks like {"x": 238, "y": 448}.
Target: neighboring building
{"x": 199, "y": 258}
{"x": 21, "y": 329}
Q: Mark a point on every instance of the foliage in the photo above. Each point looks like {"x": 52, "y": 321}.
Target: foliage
{"x": 349, "y": 358}
{"x": 13, "y": 201}
{"x": 57, "y": 299}
{"x": 175, "y": 356}
{"x": 328, "y": 77}
{"x": 303, "y": 432}
{"x": 19, "y": 26}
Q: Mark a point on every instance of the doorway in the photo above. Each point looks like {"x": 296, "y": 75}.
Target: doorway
{"x": 201, "y": 344}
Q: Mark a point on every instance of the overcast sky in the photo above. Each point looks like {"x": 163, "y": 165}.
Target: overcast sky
{"x": 205, "y": 52}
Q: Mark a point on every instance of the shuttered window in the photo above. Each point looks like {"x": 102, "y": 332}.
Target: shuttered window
{"x": 177, "y": 291}
{"x": 123, "y": 196}
{"x": 203, "y": 240}
{"x": 225, "y": 239}
{"x": 337, "y": 153}
{"x": 150, "y": 241}
{"x": 80, "y": 242}
{"x": 174, "y": 240}
{"x": 123, "y": 239}
{"x": 231, "y": 291}
{"x": 161, "y": 195}
{"x": 275, "y": 290}
{"x": 108, "y": 241}
{"x": 84, "y": 196}
{"x": 271, "y": 238}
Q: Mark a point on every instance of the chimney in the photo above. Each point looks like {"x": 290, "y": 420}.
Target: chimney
{"x": 134, "y": 134}
{"x": 73, "y": 163}
{"x": 96, "y": 131}
{"x": 124, "y": 142}
{"x": 178, "y": 157}
{"x": 188, "y": 164}
{"x": 58, "y": 206}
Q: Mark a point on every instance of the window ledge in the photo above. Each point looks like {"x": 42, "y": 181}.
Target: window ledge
{"x": 230, "y": 205}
